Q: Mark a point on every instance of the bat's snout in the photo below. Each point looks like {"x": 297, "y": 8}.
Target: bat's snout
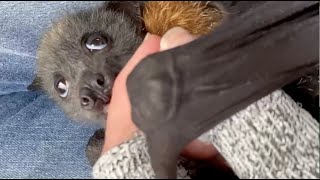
{"x": 95, "y": 91}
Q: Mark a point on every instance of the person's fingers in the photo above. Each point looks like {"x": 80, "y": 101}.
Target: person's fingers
{"x": 199, "y": 150}
{"x": 150, "y": 45}
{"x": 119, "y": 125}
{"x": 175, "y": 37}
{"x": 120, "y": 96}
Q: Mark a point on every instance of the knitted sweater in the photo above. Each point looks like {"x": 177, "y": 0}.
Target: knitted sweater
{"x": 272, "y": 138}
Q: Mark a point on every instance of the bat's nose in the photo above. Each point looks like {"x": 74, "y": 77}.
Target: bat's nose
{"x": 87, "y": 98}
{"x": 93, "y": 100}
{"x": 95, "y": 90}
{"x": 97, "y": 81}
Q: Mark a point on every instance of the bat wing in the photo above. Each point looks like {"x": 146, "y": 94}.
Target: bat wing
{"x": 179, "y": 94}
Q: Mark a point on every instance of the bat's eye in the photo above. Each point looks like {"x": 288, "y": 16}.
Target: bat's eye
{"x": 96, "y": 42}
{"x": 61, "y": 85}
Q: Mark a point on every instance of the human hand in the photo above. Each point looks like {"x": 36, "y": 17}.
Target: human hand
{"x": 120, "y": 126}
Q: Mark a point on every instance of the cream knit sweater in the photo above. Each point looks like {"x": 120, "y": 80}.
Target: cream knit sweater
{"x": 272, "y": 138}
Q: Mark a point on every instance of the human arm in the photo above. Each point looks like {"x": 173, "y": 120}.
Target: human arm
{"x": 242, "y": 140}
{"x": 272, "y": 138}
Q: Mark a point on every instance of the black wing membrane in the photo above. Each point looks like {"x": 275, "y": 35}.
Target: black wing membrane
{"x": 179, "y": 94}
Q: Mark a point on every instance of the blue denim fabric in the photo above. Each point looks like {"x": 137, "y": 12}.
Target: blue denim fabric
{"x": 36, "y": 139}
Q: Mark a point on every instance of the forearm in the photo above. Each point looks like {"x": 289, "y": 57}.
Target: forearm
{"x": 130, "y": 160}
{"x": 272, "y": 138}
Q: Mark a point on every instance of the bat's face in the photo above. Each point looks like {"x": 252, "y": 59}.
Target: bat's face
{"x": 81, "y": 55}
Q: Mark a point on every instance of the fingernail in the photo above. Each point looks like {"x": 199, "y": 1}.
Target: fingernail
{"x": 175, "y": 37}
{"x": 163, "y": 44}
{"x": 146, "y": 37}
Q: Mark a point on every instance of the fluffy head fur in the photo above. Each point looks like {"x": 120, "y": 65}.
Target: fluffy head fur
{"x": 62, "y": 51}
{"x": 195, "y": 16}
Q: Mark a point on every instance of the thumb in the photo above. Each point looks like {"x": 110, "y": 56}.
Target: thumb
{"x": 150, "y": 45}
{"x": 175, "y": 37}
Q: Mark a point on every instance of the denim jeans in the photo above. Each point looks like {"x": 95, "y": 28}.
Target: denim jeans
{"x": 36, "y": 139}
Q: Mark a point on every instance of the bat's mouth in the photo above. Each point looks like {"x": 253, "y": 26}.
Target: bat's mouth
{"x": 105, "y": 99}
{"x": 96, "y": 101}
{"x": 105, "y": 103}
{"x": 105, "y": 108}
{"x": 101, "y": 105}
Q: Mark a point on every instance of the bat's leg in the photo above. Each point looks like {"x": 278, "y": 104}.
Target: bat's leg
{"x": 94, "y": 146}
{"x": 305, "y": 91}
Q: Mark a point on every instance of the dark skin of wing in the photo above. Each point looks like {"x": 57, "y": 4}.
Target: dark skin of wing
{"x": 179, "y": 94}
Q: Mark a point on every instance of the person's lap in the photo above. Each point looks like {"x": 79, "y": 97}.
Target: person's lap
{"x": 37, "y": 139}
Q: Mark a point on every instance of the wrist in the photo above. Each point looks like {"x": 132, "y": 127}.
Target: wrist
{"x": 117, "y": 135}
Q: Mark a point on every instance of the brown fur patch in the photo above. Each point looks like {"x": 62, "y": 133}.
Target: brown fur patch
{"x": 195, "y": 16}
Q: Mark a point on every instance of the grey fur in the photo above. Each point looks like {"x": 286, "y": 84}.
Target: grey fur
{"x": 61, "y": 51}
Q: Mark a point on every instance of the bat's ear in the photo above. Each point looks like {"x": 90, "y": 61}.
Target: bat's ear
{"x": 36, "y": 84}
{"x": 132, "y": 9}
